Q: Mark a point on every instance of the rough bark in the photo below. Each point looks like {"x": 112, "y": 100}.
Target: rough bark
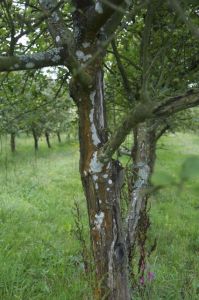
{"x": 102, "y": 183}
{"x": 143, "y": 156}
{"x": 12, "y": 142}
{"x": 47, "y": 136}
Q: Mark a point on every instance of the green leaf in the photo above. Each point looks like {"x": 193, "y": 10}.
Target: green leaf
{"x": 190, "y": 168}
{"x": 162, "y": 179}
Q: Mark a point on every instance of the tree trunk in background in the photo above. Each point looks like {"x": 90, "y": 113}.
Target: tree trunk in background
{"x": 58, "y": 136}
{"x": 36, "y": 139}
{"x": 143, "y": 155}
{"x": 102, "y": 184}
{"x": 12, "y": 142}
{"x": 68, "y": 137}
{"x": 47, "y": 136}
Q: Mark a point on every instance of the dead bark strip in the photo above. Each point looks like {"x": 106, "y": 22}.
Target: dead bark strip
{"x": 143, "y": 164}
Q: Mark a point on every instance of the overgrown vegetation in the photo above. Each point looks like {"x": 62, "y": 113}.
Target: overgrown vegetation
{"x": 40, "y": 257}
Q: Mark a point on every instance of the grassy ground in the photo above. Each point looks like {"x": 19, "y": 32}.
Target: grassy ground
{"x": 39, "y": 255}
{"x": 175, "y": 224}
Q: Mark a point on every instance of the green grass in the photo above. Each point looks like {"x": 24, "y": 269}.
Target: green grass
{"x": 175, "y": 224}
{"x": 39, "y": 254}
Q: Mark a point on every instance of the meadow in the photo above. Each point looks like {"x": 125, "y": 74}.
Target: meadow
{"x": 40, "y": 256}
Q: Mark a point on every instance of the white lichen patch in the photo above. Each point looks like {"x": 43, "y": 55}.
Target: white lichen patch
{"x": 30, "y": 65}
{"x": 98, "y": 7}
{"x": 95, "y": 137}
{"x": 82, "y": 56}
{"x": 96, "y": 186}
{"x": 86, "y": 45}
{"x": 55, "y": 16}
{"x": 108, "y": 166}
{"x": 99, "y": 218}
{"x": 95, "y": 177}
{"x": 105, "y": 176}
{"x": 92, "y": 97}
{"x": 95, "y": 165}
{"x": 58, "y": 39}
{"x": 108, "y": 189}
{"x": 144, "y": 172}
{"x": 143, "y": 175}
{"x": 79, "y": 54}
{"x": 87, "y": 57}
{"x": 110, "y": 181}
{"x": 111, "y": 256}
{"x": 56, "y": 58}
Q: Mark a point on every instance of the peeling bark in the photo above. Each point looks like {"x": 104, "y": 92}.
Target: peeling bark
{"x": 102, "y": 183}
{"x": 143, "y": 155}
{"x": 103, "y": 198}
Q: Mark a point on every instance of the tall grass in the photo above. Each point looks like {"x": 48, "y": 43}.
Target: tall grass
{"x": 39, "y": 255}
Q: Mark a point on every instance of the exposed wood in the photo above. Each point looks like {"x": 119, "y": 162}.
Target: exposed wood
{"x": 143, "y": 163}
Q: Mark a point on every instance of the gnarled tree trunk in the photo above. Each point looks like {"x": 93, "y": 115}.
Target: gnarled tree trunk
{"x": 102, "y": 183}
{"x": 143, "y": 155}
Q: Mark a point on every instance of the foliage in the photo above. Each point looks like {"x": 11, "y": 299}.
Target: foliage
{"x": 35, "y": 101}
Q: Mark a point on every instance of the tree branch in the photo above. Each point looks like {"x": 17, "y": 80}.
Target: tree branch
{"x": 193, "y": 29}
{"x": 123, "y": 74}
{"x": 98, "y": 14}
{"x": 61, "y": 35}
{"x": 162, "y": 131}
{"x": 139, "y": 114}
{"x": 53, "y": 57}
{"x": 144, "y": 111}
{"x": 145, "y": 45}
{"x": 175, "y": 104}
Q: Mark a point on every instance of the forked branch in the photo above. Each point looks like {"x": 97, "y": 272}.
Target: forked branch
{"x": 145, "y": 111}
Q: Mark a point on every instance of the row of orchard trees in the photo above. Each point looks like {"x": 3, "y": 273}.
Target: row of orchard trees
{"x": 34, "y": 104}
